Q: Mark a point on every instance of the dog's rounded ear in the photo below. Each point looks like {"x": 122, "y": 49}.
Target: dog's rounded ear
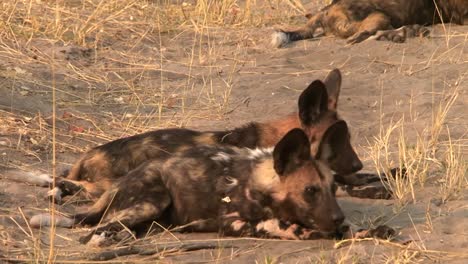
{"x": 336, "y": 136}
{"x": 335, "y": 148}
{"x": 333, "y": 84}
{"x": 312, "y": 102}
{"x": 291, "y": 152}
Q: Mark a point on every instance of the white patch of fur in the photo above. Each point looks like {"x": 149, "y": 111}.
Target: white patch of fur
{"x": 42, "y": 220}
{"x": 97, "y": 240}
{"x": 221, "y": 156}
{"x": 226, "y": 199}
{"x": 237, "y": 225}
{"x": 165, "y": 137}
{"x": 279, "y": 39}
{"x": 264, "y": 177}
{"x": 258, "y": 153}
{"x": 231, "y": 182}
{"x": 56, "y": 193}
{"x": 279, "y": 196}
{"x": 248, "y": 194}
{"x": 233, "y": 214}
{"x": 268, "y": 225}
{"x": 272, "y": 227}
{"x": 373, "y": 37}
{"x": 31, "y": 177}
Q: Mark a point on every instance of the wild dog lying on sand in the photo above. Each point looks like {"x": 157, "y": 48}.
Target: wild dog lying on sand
{"x": 395, "y": 20}
{"x": 100, "y": 167}
{"x": 236, "y": 191}
{"x": 282, "y": 192}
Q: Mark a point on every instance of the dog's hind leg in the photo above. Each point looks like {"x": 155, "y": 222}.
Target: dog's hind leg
{"x": 150, "y": 209}
{"x": 65, "y": 187}
{"x": 402, "y": 33}
{"x": 91, "y": 217}
{"x": 369, "y": 26}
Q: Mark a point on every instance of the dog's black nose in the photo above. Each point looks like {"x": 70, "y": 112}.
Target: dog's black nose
{"x": 356, "y": 165}
{"x": 338, "y": 218}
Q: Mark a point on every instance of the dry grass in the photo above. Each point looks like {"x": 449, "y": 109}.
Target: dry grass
{"x": 422, "y": 156}
{"x": 136, "y": 26}
{"x": 420, "y": 151}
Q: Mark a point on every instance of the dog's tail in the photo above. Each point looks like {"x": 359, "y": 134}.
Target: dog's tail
{"x": 91, "y": 217}
{"x": 32, "y": 177}
{"x": 282, "y": 37}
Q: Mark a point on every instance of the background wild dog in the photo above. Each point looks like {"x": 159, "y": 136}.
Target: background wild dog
{"x": 282, "y": 192}
{"x": 393, "y": 20}
{"x": 99, "y": 167}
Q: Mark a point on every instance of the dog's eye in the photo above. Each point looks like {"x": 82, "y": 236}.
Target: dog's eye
{"x": 311, "y": 190}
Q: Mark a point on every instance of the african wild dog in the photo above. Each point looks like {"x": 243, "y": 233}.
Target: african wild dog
{"x": 395, "y": 20}
{"x": 101, "y": 166}
{"x": 275, "y": 192}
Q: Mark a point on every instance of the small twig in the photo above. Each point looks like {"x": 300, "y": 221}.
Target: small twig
{"x": 127, "y": 230}
{"x": 20, "y": 227}
{"x": 279, "y": 73}
{"x": 26, "y": 221}
{"x": 151, "y": 250}
{"x": 345, "y": 242}
{"x": 165, "y": 230}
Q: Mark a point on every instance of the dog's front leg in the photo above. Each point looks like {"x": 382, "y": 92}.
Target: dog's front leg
{"x": 284, "y": 230}
{"x": 271, "y": 228}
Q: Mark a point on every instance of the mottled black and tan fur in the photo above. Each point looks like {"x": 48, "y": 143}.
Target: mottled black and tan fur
{"x": 394, "y": 20}
{"x": 278, "y": 192}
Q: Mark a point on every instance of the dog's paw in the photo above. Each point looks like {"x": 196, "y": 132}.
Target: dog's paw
{"x": 376, "y": 190}
{"x": 55, "y": 195}
{"x": 382, "y": 232}
{"x": 106, "y": 238}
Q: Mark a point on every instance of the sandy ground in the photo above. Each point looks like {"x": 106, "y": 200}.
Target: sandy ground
{"x": 235, "y": 78}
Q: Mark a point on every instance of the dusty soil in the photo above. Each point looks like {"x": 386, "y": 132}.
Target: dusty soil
{"x": 234, "y": 78}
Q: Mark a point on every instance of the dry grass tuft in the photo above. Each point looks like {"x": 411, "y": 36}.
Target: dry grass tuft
{"x": 117, "y": 56}
{"x": 420, "y": 154}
